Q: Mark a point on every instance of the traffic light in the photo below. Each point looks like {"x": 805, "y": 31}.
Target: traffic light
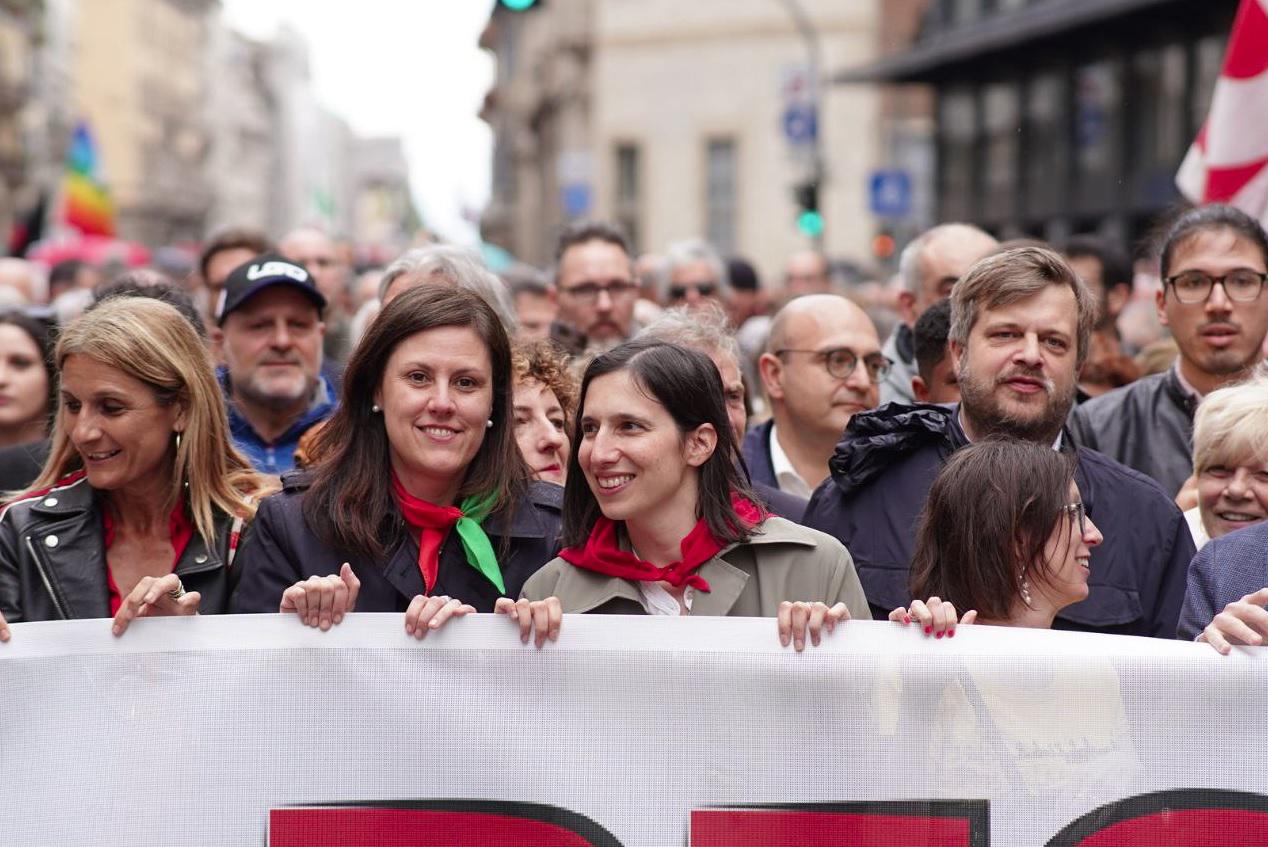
{"x": 519, "y": 5}
{"x": 809, "y": 218}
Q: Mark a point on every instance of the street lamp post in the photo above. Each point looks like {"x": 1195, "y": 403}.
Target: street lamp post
{"x": 814, "y": 62}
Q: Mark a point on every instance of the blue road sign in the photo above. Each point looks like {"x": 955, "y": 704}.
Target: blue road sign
{"x": 800, "y": 124}
{"x": 889, "y": 194}
{"x": 576, "y": 199}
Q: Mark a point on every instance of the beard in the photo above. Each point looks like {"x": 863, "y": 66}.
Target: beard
{"x": 279, "y": 394}
{"x": 990, "y": 415}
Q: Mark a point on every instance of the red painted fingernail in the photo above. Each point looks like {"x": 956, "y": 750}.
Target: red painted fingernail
{"x": 951, "y": 634}
{"x": 906, "y": 618}
{"x": 928, "y": 630}
{"x": 939, "y": 635}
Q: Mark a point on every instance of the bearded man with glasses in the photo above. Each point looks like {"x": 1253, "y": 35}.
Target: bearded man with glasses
{"x": 595, "y": 288}
{"x": 1213, "y": 265}
{"x": 822, "y": 365}
{"x": 1021, "y": 323}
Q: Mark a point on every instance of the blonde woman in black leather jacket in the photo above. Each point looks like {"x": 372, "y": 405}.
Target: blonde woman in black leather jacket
{"x": 140, "y": 504}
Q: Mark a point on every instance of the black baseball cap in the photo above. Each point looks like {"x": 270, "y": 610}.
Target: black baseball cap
{"x": 265, "y": 271}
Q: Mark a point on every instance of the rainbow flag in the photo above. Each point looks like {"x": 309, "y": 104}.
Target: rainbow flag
{"x": 86, "y": 203}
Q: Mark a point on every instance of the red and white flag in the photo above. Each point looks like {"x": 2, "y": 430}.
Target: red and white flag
{"x": 1228, "y": 163}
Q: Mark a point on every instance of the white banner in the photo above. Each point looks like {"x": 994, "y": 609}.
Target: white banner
{"x": 253, "y": 730}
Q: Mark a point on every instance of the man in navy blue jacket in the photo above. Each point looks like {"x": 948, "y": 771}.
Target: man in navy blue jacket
{"x": 1020, "y": 326}
{"x": 1224, "y": 575}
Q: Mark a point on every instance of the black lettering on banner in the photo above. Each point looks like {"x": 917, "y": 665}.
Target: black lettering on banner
{"x": 929, "y": 823}
{"x": 1187, "y": 817}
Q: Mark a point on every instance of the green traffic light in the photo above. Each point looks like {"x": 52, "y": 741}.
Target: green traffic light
{"x": 519, "y": 5}
{"x": 810, "y": 223}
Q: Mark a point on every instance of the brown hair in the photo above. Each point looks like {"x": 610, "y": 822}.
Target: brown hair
{"x": 1007, "y": 276}
{"x": 350, "y": 504}
{"x": 544, "y": 361}
{"x": 989, "y": 514}
{"x": 688, "y": 385}
{"x": 235, "y": 238}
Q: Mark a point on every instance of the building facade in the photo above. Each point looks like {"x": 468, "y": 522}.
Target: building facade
{"x": 678, "y": 120}
{"x": 540, "y": 112}
{"x": 139, "y": 82}
{"x": 1053, "y": 117}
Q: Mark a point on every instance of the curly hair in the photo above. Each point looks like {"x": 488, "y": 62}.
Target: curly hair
{"x": 545, "y": 362}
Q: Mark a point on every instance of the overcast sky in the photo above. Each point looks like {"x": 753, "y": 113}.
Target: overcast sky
{"x": 409, "y": 68}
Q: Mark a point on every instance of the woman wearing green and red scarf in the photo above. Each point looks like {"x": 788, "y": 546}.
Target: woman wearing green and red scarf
{"x": 420, "y": 502}
{"x": 659, "y": 520}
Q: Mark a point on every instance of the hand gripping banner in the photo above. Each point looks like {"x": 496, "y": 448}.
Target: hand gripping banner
{"x": 253, "y": 730}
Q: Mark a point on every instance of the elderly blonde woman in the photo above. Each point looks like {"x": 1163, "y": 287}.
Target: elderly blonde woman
{"x": 1230, "y": 459}
{"x": 141, "y": 502}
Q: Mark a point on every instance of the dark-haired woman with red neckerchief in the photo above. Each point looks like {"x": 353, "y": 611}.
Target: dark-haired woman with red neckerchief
{"x": 419, "y": 501}
{"x": 658, "y": 520}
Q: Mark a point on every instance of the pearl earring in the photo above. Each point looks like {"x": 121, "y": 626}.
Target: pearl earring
{"x": 1025, "y": 591}
{"x": 488, "y": 424}
{"x": 375, "y": 408}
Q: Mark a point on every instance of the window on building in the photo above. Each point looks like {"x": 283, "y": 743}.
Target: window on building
{"x": 721, "y": 195}
{"x": 957, "y": 120}
{"x": 626, "y": 203}
{"x": 1158, "y": 123}
{"x": 1098, "y": 134}
{"x": 1047, "y": 143}
{"x": 1000, "y": 119}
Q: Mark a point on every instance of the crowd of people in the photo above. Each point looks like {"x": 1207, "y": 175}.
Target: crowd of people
{"x": 655, "y": 434}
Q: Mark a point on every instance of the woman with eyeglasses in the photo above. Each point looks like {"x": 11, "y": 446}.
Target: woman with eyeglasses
{"x": 1004, "y": 535}
{"x": 659, "y": 520}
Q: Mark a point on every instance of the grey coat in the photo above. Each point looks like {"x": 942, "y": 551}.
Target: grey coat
{"x": 783, "y": 561}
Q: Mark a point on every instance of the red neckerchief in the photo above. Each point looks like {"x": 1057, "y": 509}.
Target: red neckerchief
{"x": 179, "y": 530}
{"x": 602, "y": 555}
{"x": 433, "y": 524}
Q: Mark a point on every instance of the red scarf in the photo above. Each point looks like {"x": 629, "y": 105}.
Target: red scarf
{"x": 602, "y": 555}
{"x": 179, "y": 529}
{"x": 433, "y": 524}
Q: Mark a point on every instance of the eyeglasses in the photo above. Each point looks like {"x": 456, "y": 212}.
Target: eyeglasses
{"x": 840, "y": 362}
{"x": 1078, "y": 512}
{"x": 1242, "y": 285}
{"x": 588, "y": 292}
{"x": 704, "y": 289}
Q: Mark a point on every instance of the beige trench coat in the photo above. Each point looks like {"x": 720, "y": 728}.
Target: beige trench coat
{"x": 781, "y": 561}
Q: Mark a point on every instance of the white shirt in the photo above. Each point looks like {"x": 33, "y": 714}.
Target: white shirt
{"x": 1193, "y": 517}
{"x": 658, "y": 601}
{"x": 785, "y": 474}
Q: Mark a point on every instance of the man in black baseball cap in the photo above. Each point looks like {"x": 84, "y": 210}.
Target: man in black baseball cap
{"x": 268, "y": 339}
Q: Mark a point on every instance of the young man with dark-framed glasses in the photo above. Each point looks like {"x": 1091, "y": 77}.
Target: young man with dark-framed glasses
{"x": 1214, "y": 263}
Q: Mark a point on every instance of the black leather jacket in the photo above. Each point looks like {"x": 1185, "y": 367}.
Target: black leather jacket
{"x": 1147, "y": 426}
{"x": 53, "y": 558}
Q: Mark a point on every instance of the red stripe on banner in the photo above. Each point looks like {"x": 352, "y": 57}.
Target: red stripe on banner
{"x": 1185, "y": 828}
{"x": 1222, "y": 184}
{"x": 1247, "y": 42}
{"x": 361, "y": 827}
{"x": 786, "y": 828}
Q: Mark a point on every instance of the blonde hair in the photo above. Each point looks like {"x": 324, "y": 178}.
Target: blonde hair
{"x": 150, "y": 341}
{"x": 1231, "y": 424}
